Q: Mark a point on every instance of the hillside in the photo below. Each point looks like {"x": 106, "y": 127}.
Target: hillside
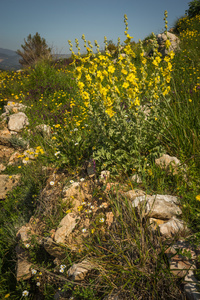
{"x": 9, "y": 60}
{"x": 100, "y": 172}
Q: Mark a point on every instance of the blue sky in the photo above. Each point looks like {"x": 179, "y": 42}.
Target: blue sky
{"x": 60, "y": 20}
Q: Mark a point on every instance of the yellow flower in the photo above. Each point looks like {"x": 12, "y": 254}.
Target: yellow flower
{"x": 167, "y": 44}
{"x": 111, "y": 69}
{"x": 80, "y": 208}
{"x": 190, "y": 100}
{"x": 198, "y": 197}
{"x": 125, "y": 85}
{"x": 7, "y": 296}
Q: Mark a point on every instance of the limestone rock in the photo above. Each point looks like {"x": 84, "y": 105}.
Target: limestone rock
{"x": 76, "y": 193}
{"x": 166, "y": 161}
{"x": 7, "y": 183}
{"x": 172, "y": 227}
{"x": 52, "y": 248}
{"x": 24, "y": 234}
{"x": 79, "y": 271}
{"x": 180, "y": 267}
{"x": 5, "y": 137}
{"x": 14, "y": 158}
{"x": 132, "y": 194}
{"x": 13, "y": 107}
{"x": 66, "y": 227}
{"x": 161, "y": 39}
{"x": 44, "y": 129}
{"x": 185, "y": 249}
{"x": 2, "y": 167}
{"x": 109, "y": 218}
{"x": 136, "y": 178}
{"x": 191, "y": 288}
{"x": 156, "y": 222}
{"x": 73, "y": 189}
{"x": 158, "y": 206}
{"x": 17, "y": 121}
{"x": 23, "y": 268}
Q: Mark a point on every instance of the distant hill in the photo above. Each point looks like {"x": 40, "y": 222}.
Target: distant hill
{"x": 9, "y": 60}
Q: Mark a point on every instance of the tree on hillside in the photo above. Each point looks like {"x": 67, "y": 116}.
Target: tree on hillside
{"x": 194, "y": 8}
{"x": 34, "y": 49}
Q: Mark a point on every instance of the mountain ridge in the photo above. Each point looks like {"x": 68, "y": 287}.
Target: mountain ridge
{"x": 9, "y": 59}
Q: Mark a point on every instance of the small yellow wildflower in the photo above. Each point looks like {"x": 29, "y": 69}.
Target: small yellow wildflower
{"x": 190, "y": 100}
{"x": 198, "y": 197}
{"x": 80, "y": 208}
{"x": 7, "y": 296}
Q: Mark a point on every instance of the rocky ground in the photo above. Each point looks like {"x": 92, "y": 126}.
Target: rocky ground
{"x": 162, "y": 211}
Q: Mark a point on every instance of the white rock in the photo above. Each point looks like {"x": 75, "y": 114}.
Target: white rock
{"x": 17, "y": 121}
{"x": 66, "y": 227}
{"x": 192, "y": 287}
{"x": 79, "y": 271}
{"x": 172, "y": 227}
{"x": 158, "y": 206}
{"x": 44, "y": 129}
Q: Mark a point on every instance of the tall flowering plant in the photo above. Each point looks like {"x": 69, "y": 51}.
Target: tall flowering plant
{"x": 121, "y": 99}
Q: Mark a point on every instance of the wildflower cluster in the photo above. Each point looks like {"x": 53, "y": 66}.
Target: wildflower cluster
{"x": 62, "y": 268}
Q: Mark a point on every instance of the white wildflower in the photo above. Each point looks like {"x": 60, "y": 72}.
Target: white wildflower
{"x": 25, "y": 293}
{"x": 33, "y": 271}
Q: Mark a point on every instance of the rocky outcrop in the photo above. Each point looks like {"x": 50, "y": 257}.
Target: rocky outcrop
{"x": 174, "y": 43}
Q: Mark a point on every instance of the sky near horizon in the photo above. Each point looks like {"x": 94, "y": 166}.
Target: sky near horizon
{"x": 61, "y": 20}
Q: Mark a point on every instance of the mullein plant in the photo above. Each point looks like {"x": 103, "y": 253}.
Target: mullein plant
{"x": 112, "y": 95}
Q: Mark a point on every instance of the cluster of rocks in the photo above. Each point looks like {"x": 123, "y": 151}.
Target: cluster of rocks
{"x": 161, "y": 41}
{"x": 163, "y": 213}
